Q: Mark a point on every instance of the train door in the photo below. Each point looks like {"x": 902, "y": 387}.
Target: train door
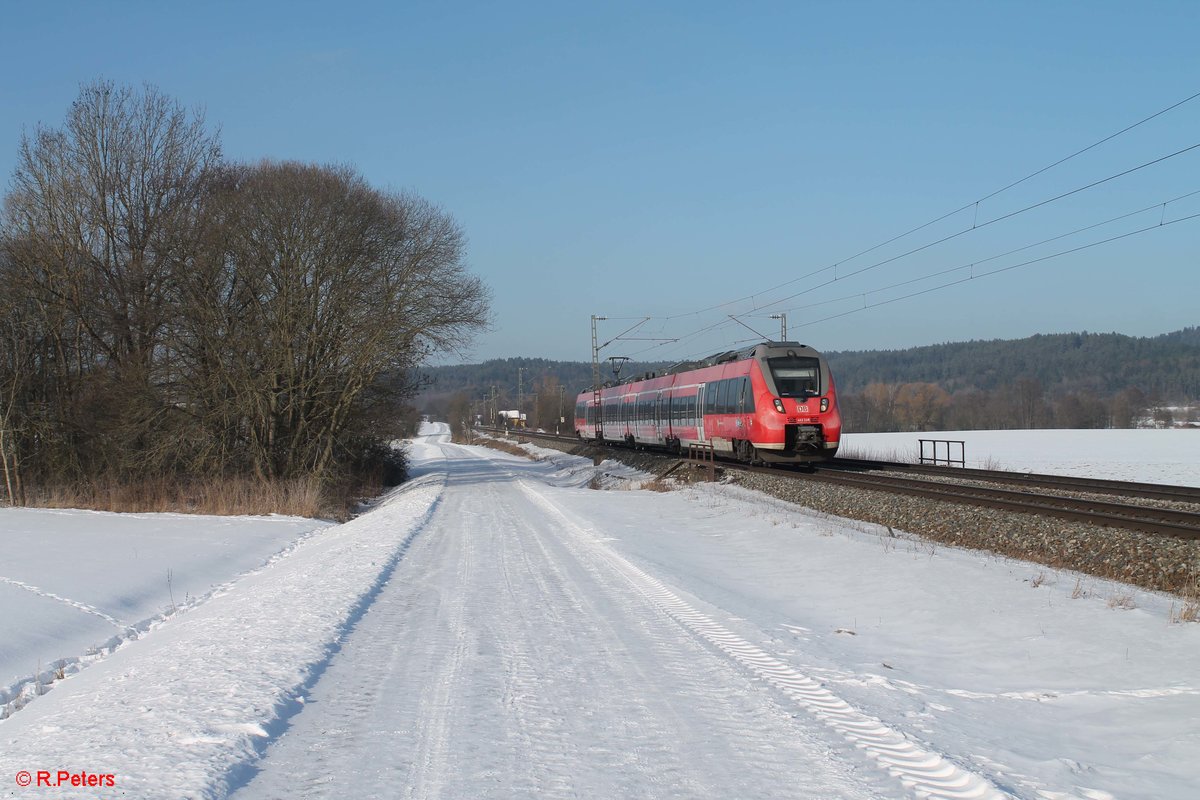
{"x": 660, "y": 428}
{"x": 700, "y": 413}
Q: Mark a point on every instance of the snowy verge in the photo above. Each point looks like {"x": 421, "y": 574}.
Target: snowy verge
{"x": 75, "y": 584}
{"x": 203, "y": 693}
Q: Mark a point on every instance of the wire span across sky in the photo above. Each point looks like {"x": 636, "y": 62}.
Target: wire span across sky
{"x": 767, "y": 300}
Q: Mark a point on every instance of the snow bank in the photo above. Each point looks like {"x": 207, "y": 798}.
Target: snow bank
{"x": 175, "y": 716}
{"x": 74, "y": 585}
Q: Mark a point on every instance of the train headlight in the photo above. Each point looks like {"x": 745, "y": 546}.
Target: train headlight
{"x": 779, "y": 405}
{"x": 824, "y": 404}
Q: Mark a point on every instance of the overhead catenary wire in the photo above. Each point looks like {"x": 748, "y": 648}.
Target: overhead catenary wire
{"x": 863, "y": 294}
{"x": 682, "y": 340}
{"x": 721, "y": 323}
{"x": 958, "y": 210}
{"x": 976, "y": 262}
{"x": 866, "y": 306}
{"x": 974, "y": 228}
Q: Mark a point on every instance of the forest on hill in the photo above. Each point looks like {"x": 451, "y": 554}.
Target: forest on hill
{"x": 1166, "y": 366}
{"x": 1070, "y": 380}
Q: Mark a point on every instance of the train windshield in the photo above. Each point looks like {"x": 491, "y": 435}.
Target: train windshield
{"x": 796, "y": 376}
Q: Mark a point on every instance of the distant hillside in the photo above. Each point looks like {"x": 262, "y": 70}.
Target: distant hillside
{"x": 477, "y": 380}
{"x": 1101, "y": 364}
{"x": 1098, "y": 363}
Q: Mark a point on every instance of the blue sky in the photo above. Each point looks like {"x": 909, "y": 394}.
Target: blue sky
{"x": 659, "y": 159}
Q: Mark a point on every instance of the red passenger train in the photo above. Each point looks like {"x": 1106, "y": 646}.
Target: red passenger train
{"x": 771, "y": 402}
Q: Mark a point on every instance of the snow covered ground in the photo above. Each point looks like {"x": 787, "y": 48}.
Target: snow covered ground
{"x": 1153, "y": 456}
{"x": 74, "y": 585}
{"x": 497, "y": 629}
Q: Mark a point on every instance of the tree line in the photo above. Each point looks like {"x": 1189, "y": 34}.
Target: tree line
{"x": 168, "y": 312}
{"x": 928, "y": 407}
{"x": 1100, "y": 364}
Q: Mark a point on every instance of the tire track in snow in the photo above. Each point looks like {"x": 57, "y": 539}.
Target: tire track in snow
{"x": 601, "y": 689}
{"x": 927, "y": 774}
{"x": 548, "y": 722}
{"x": 696, "y": 673}
{"x": 505, "y": 659}
{"x": 430, "y": 768}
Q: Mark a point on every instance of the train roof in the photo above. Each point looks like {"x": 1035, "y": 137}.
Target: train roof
{"x": 762, "y": 349}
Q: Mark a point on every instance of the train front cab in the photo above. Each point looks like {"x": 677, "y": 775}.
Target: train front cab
{"x": 797, "y": 410}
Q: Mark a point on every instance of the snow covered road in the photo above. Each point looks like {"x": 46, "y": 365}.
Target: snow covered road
{"x": 509, "y": 659}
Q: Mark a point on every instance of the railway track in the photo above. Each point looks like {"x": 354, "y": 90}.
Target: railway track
{"x": 1149, "y": 519}
{"x": 1149, "y": 491}
{"x": 948, "y": 487}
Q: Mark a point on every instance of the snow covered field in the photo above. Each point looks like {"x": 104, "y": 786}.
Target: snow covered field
{"x": 76, "y": 584}
{"x": 496, "y": 629}
{"x": 1152, "y": 456}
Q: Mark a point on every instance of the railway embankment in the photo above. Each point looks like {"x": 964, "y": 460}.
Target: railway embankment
{"x": 1151, "y": 561}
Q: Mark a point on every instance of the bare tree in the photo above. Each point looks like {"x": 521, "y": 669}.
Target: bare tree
{"x": 550, "y": 404}
{"x": 1127, "y": 407}
{"x": 920, "y": 406}
{"x": 879, "y": 406}
{"x": 1030, "y": 403}
{"x": 318, "y": 287}
{"x": 170, "y": 314}
{"x": 101, "y": 216}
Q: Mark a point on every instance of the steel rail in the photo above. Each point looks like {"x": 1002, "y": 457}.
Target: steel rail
{"x": 1149, "y": 519}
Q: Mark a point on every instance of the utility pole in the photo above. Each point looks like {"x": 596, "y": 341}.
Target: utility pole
{"x": 562, "y": 393}
{"x": 782, "y": 326}
{"x": 597, "y": 347}
{"x": 598, "y": 422}
{"x": 520, "y": 395}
